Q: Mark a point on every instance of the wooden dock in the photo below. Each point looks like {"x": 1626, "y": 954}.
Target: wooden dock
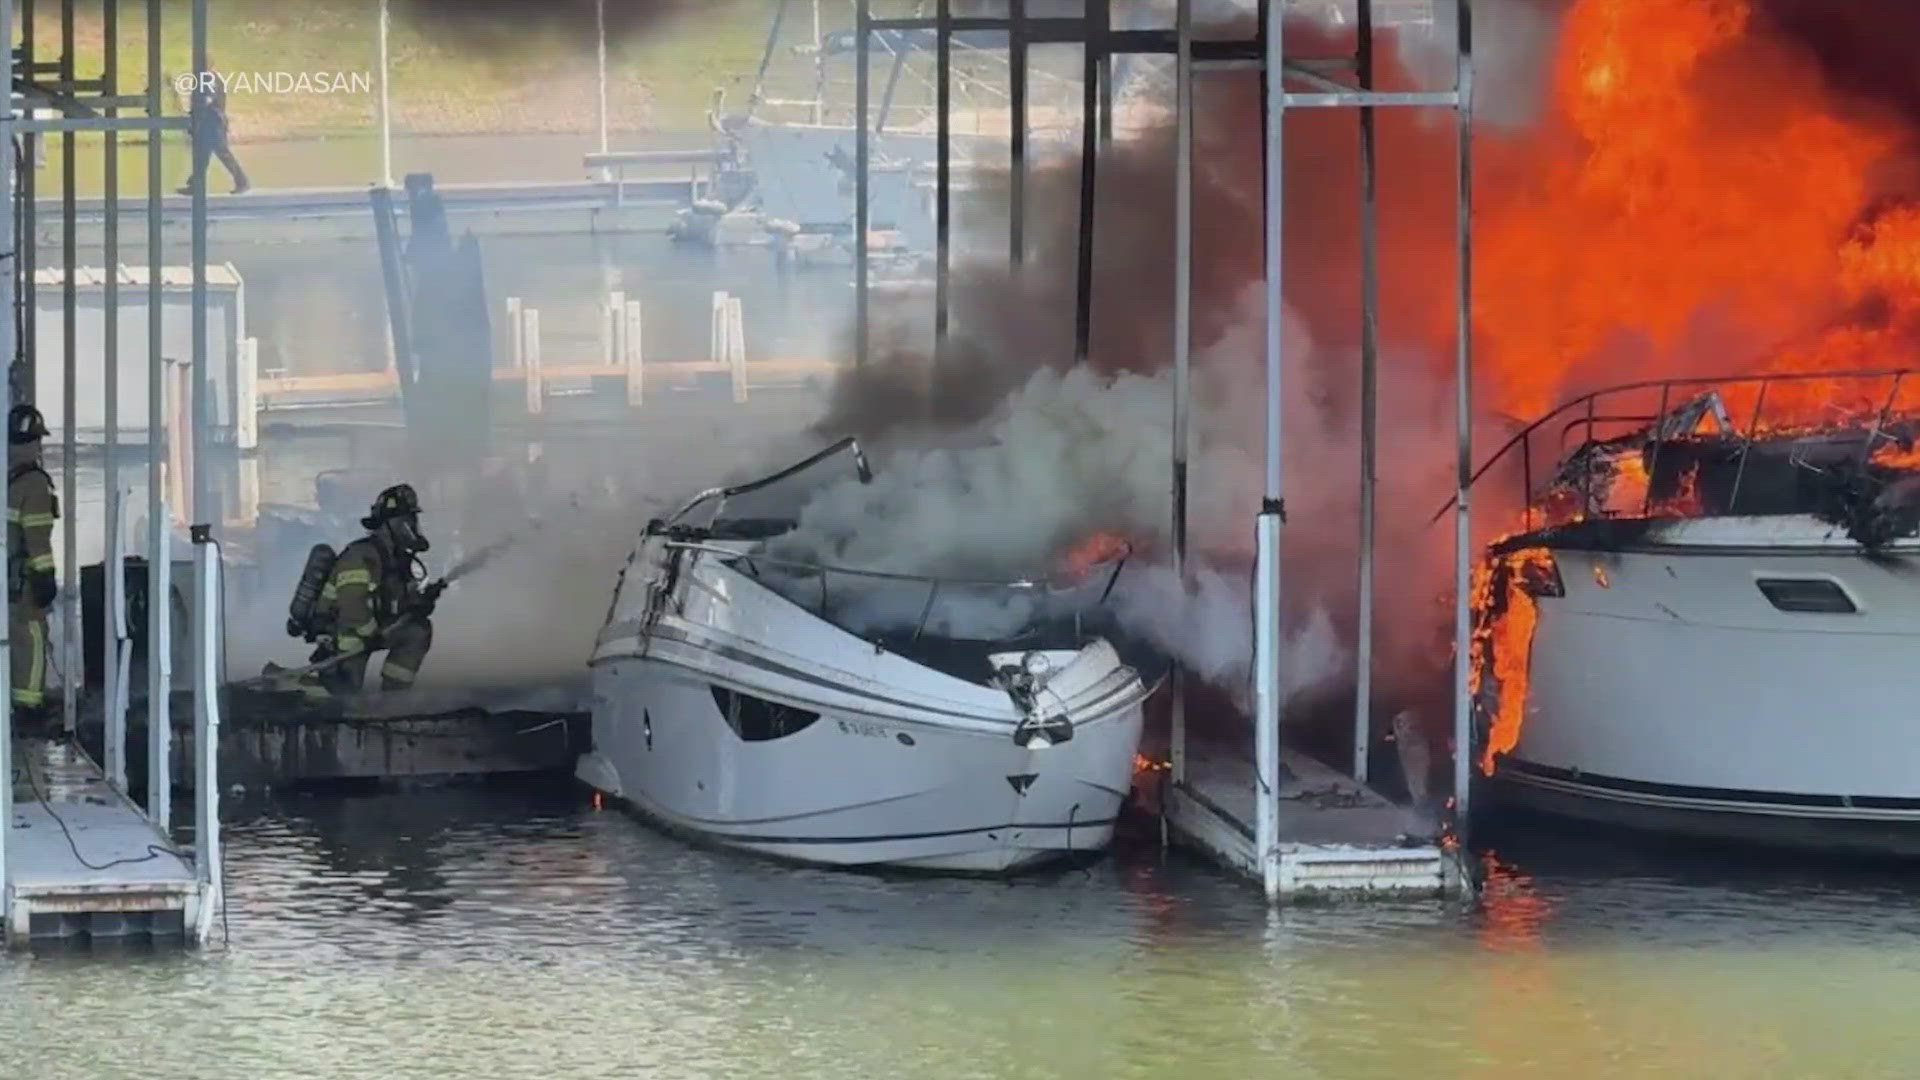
{"x": 1337, "y": 836}
{"x": 85, "y": 863}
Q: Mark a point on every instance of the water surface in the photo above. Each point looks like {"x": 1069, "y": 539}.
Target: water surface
{"x": 461, "y": 932}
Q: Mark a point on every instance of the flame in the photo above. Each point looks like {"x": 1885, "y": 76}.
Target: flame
{"x": 1100, "y": 547}
{"x": 1691, "y": 166}
{"x": 1505, "y": 615}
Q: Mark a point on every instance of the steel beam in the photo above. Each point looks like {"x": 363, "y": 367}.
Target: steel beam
{"x": 1463, "y": 419}
{"x": 943, "y": 179}
{"x": 1369, "y": 394}
{"x": 112, "y": 616}
{"x": 9, "y": 343}
{"x": 159, "y": 547}
{"x": 1182, "y": 348}
{"x": 1269, "y": 695}
{"x": 69, "y": 603}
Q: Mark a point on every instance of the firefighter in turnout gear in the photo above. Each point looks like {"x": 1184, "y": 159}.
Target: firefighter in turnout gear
{"x": 373, "y": 600}
{"x": 31, "y": 587}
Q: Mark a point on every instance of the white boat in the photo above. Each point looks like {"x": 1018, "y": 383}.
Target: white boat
{"x": 1727, "y": 650}
{"x": 733, "y": 704}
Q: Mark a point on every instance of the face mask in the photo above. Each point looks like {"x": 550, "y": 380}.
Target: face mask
{"x": 406, "y": 534}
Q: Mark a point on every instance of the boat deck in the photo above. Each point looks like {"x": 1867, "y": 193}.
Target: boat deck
{"x": 86, "y": 863}
{"x": 1337, "y": 836}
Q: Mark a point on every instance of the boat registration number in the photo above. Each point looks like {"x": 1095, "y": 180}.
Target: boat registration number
{"x": 871, "y": 731}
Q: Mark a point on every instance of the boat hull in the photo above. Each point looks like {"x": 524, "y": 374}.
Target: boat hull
{"x": 854, "y": 788}
{"x": 1669, "y": 689}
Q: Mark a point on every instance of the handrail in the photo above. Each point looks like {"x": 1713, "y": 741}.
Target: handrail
{"x": 1526, "y": 433}
{"x": 933, "y": 584}
{"x": 886, "y": 575}
{"x": 723, "y": 493}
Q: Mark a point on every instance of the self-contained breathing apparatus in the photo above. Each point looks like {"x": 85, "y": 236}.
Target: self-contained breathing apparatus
{"x": 397, "y": 509}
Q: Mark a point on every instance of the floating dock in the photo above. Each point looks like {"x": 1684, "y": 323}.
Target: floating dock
{"x": 86, "y": 863}
{"x": 1337, "y": 837}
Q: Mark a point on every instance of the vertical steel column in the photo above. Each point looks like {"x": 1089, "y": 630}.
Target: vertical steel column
{"x": 70, "y": 674}
{"x": 1463, "y": 418}
{"x": 1369, "y": 394}
{"x": 862, "y": 52}
{"x": 1267, "y": 594}
{"x": 159, "y": 546}
{"x": 208, "y": 596}
{"x": 943, "y": 174}
{"x": 386, "y": 104}
{"x": 1094, "y": 48}
{"x": 600, "y": 57}
{"x": 27, "y": 241}
{"x": 819, "y": 69}
{"x": 202, "y": 508}
{"x": 9, "y": 341}
{"x": 1017, "y": 134}
{"x": 205, "y": 622}
{"x": 114, "y": 585}
{"x": 1182, "y": 343}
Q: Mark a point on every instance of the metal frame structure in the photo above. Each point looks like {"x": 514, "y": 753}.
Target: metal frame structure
{"x": 1326, "y": 89}
{"x": 100, "y": 104}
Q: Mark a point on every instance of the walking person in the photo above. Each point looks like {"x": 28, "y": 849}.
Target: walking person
{"x": 209, "y": 130}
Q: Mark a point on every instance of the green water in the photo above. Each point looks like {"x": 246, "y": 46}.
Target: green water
{"x": 502, "y": 935}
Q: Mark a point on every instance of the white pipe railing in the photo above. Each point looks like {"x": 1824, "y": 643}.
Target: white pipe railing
{"x": 635, "y": 355}
{"x": 206, "y": 729}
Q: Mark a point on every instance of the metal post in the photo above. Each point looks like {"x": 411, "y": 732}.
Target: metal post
{"x": 1463, "y": 418}
{"x": 159, "y": 548}
{"x": 1267, "y": 594}
{"x": 206, "y": 729}
{"x": 1017, "y": 137}
{"x": 114, "y": 583}
{"x": 200, "y": 507}
{"x": 600, "y": 55}
{"x": 8, "y": 344}
{"x": 943, "y": 173}
{"x": 70, "y": 678}
{"x": 862, "y": 51}
{"x": 1369, "y": 395}
{"x": 1094, "y": 48}
{"x": 1182, "y": 343}
{"x": 820, "y": 68}
{"x": 386, "y": 104}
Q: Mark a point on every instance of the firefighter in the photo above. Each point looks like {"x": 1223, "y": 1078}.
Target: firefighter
{"x": 31, "y": 588}
{"x": 373, "y": 599}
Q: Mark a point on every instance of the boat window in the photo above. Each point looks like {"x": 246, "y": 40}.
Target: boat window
{"x": 1807, "y": 594}
{"x": 757, "y": 719}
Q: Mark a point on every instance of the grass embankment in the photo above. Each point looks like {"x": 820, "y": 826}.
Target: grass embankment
{"x": 542, "y": 86}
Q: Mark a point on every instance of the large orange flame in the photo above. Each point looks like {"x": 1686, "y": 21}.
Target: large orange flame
{"x": 1705, "y": 207}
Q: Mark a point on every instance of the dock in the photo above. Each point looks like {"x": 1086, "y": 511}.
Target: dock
{"x": 267, "y": 745}
{"x": 1336, "y": 836}
{"x": 85, "y": 861}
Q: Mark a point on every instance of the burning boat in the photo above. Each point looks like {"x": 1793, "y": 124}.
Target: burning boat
{"x": 1708, "y": 625}
{"x": 851, "y": 717}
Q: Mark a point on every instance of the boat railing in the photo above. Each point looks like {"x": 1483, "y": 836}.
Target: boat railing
{"x": 1683, "y": 404}
{"x": 719, "y": 495}
{"x": 755, "y": 562}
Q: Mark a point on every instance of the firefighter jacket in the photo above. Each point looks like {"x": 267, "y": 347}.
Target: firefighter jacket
{"x": 369, "y": 589}
{"x": 31, "y": 512}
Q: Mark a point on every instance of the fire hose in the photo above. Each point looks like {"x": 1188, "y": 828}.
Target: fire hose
{"x": 431, "y": 594}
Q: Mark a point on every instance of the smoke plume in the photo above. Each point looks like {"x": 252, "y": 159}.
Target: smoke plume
{"x": 1056, "y": 450}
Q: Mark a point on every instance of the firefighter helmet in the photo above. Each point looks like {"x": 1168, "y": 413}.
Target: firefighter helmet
{"x": 25, "y": 425}
{"x": 398, "y": 510}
